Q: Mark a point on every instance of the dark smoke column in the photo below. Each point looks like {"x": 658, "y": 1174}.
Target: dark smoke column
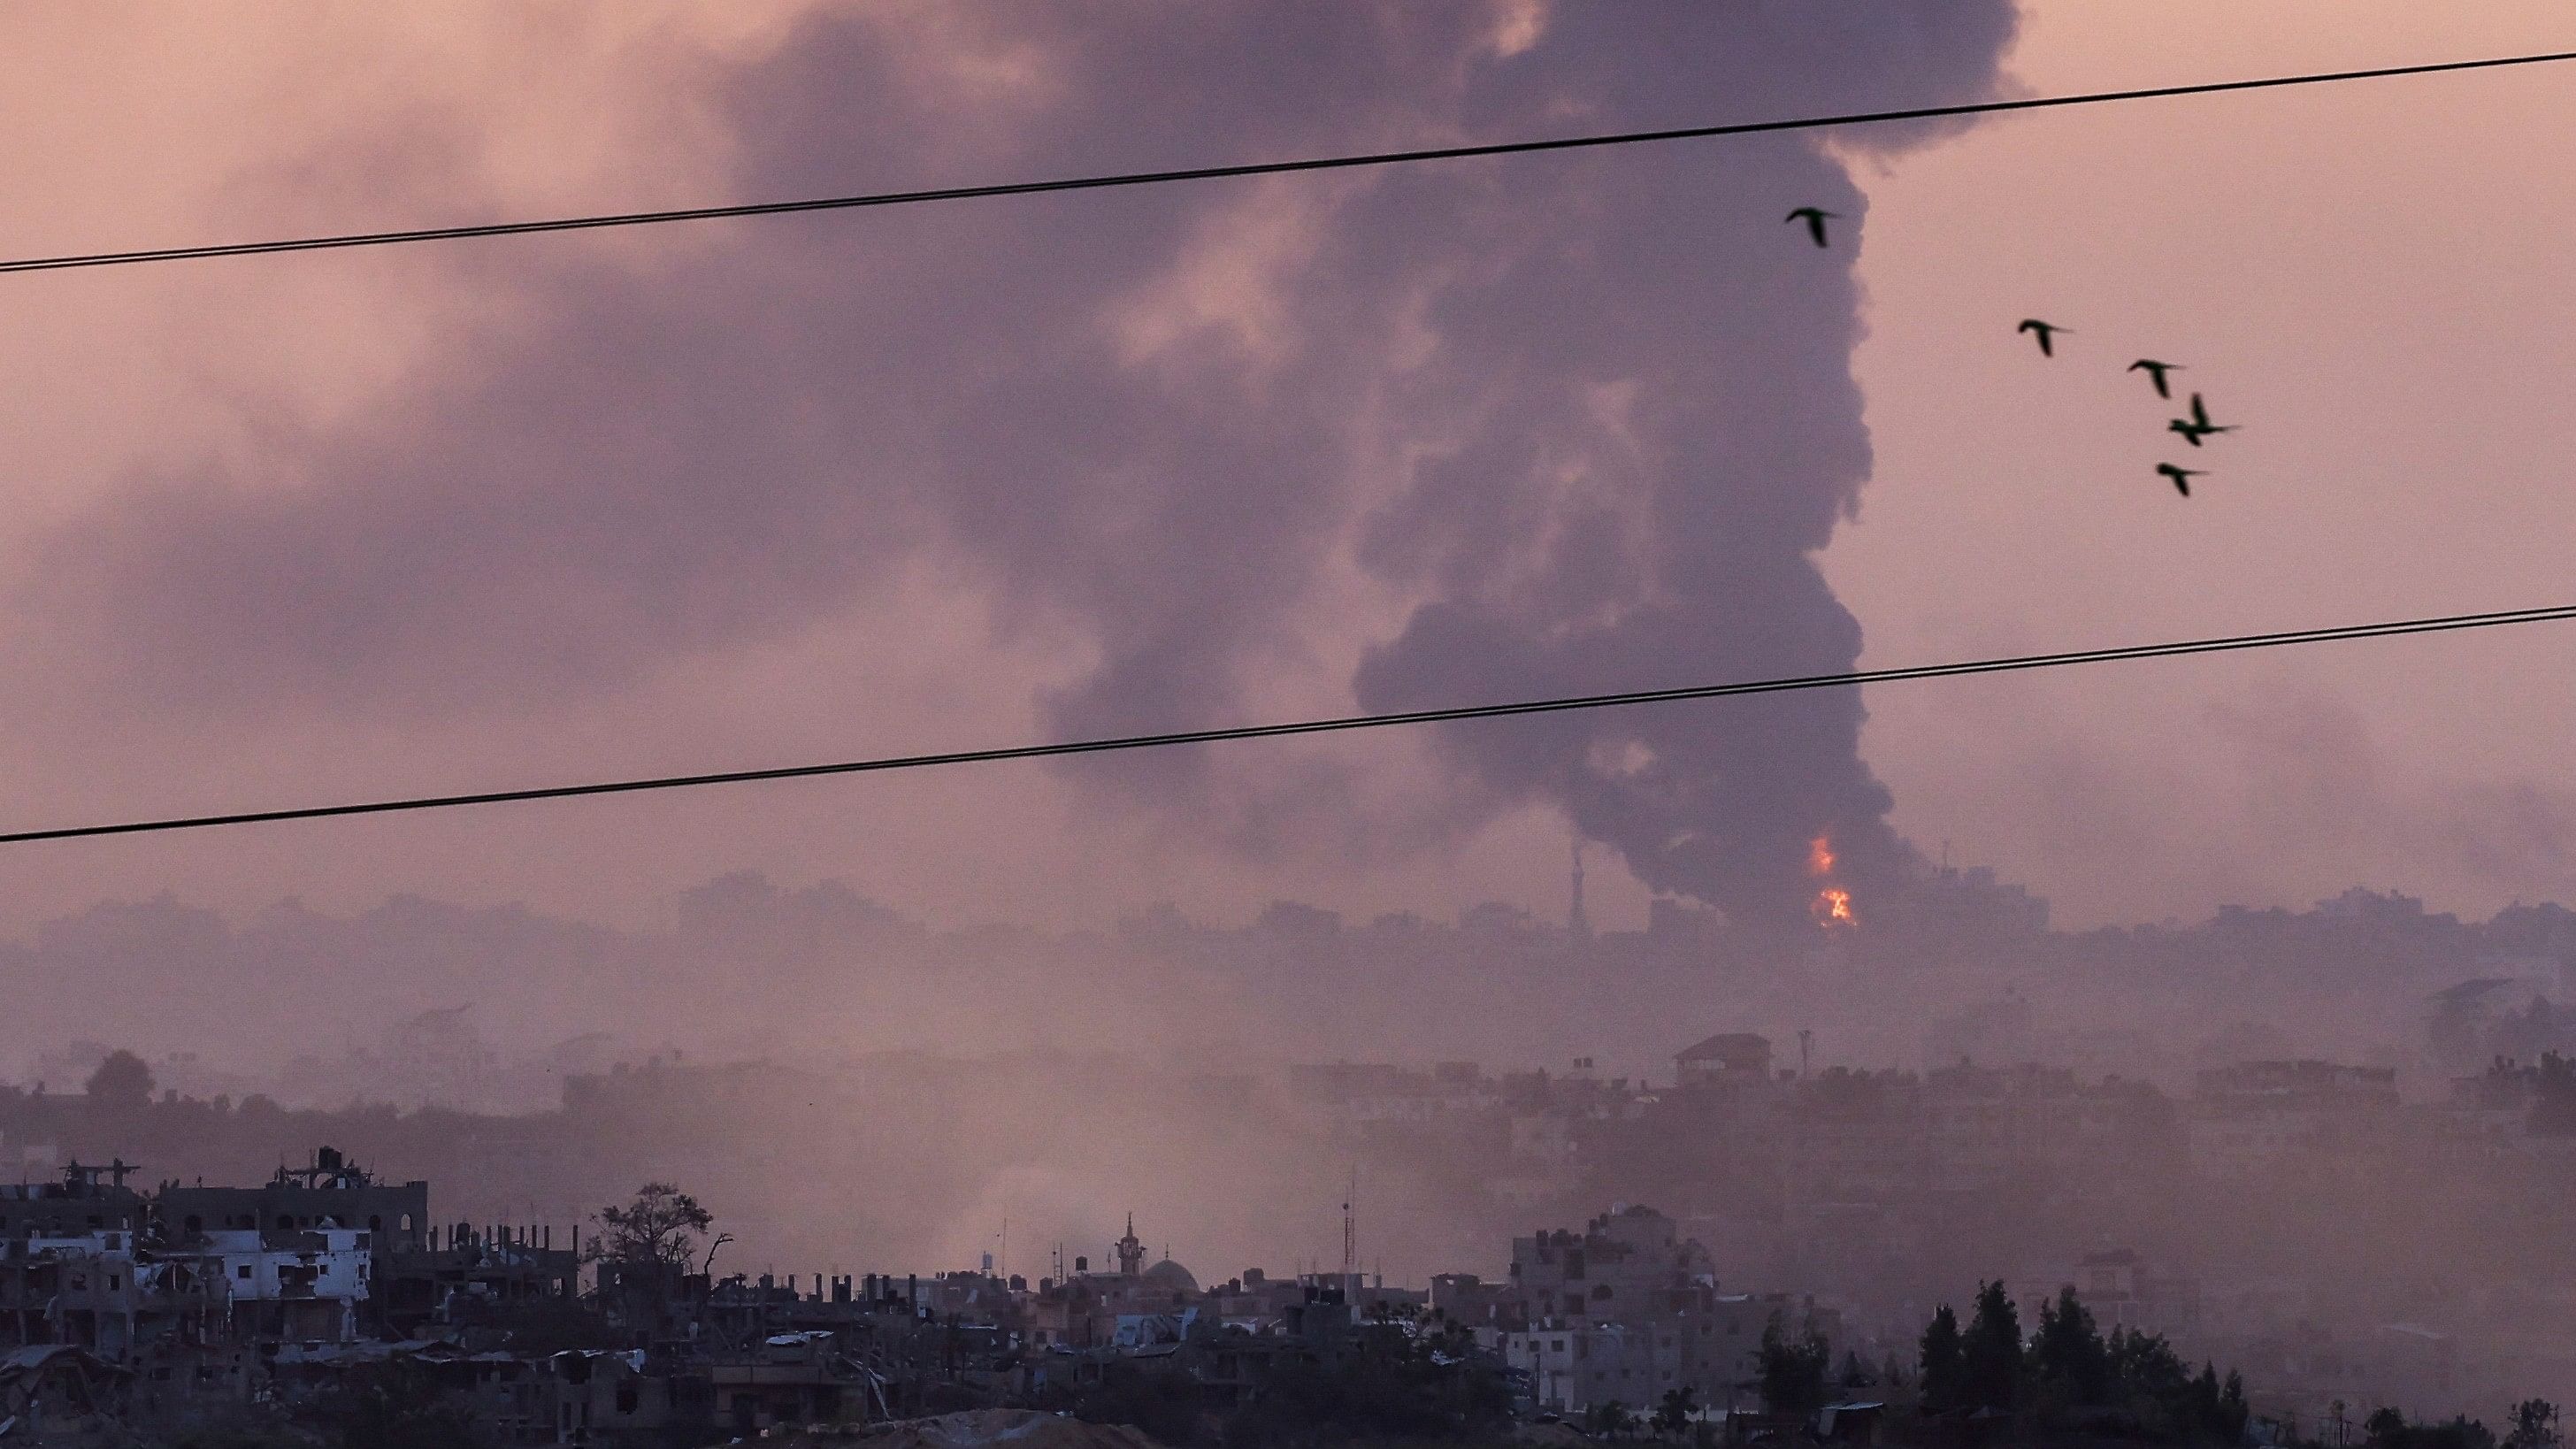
{"x": 1653, "y": 428}
{"x": 1585, "y": 418}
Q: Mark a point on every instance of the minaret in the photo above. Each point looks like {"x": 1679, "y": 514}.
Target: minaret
{"x": 1131, "y": 1253}
{"x": 1577, "y": 923}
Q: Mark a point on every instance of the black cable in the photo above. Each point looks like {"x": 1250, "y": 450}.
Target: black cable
{"x": 1256, "y": 168}
{"x": 2555, "y": 614}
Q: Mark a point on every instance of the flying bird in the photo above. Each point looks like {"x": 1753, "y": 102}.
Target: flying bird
{"x": 2198, "y": 425}
{"x": 2156, "y": 371}
{"x": 2045, "y": 331}
{"x": 2180, "y": 476}
{"x": 1815, "y": 217}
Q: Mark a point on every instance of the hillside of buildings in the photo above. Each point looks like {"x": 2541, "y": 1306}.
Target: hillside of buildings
{"x": 2341, "y": 1234}
{"x": 2341, "y": 1174}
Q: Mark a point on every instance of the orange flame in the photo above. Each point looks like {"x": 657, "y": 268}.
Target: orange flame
{"x": 1832, "y": 905}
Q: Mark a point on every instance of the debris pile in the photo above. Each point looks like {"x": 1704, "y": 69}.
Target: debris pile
{"x": 975, "y": 1429}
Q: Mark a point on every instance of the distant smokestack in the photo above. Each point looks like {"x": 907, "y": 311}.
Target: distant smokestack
{"x": 1577, "y": 923}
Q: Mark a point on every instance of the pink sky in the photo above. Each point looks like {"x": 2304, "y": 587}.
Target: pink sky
{"x": 2368, "y": 278}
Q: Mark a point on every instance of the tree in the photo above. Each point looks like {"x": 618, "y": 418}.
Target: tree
{"x": 1794, "y": 1368}
{"x": 122, "y": 1082}
{"x": 2067, "y": 1355}
{"x": 1990, "y": 1352}
{"x": 1944, "y": 1369}
{"x": 2228, "y": 1425}
{"x": 661, "y": 1226}
{"x": 1854, "y": 1375}
{"x": 2535, "y": 1425}
{"x": 1165, "y": 1404}
{"x": 2205, "y": 1400}
{"x": 1395, "y": 1388}
{"x": 1611, "y": 1420}
{"x": 1674, "y": 1414}
{"x": 2150, "y": 1381}
{"x": 2389, "y": 1429}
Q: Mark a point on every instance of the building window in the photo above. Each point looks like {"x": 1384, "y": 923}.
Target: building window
{"x": 626, "y": 1398}
{"x": 242, "y": 1272}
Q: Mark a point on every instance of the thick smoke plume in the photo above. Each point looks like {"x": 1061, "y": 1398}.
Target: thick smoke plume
{"x": 1536, "y": 425}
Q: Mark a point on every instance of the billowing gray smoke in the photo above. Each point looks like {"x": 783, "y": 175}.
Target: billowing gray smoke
{"x": 1586, "y": 417}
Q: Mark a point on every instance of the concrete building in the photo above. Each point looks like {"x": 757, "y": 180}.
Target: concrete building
{"x": 303, "y": 1285}
{"x": 330, "y": 1192}
{"x": 98, "y": 1292}
{"x": 1626, "y": 1310}
{"x": 1627, "y": 1262}
{"x": 2259, "y": 1117}
{"x": 463, "y": 1267}
{"x": 2121, "y": 1290}
{"x": 86, "y": 1199}
{"x": 1729, "y": 1059}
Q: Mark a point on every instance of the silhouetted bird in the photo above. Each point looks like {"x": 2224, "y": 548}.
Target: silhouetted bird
{"x": 1815, "y": 217}
{"x": 2156, "y": 371}
{"x": 2180, "y": 476}
{"x": 2198, "y": 425}
{"x": 2045, "y": 331}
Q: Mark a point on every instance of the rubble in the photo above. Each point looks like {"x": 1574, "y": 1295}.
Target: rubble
{"x": 974, "y": 1429}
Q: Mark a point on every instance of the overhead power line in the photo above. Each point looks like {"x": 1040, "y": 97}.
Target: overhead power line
{"x": 2121, "y": 653}
{"x": 1254, "y": 168}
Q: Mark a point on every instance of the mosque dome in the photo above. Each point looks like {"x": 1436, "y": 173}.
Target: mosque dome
{"x": 1172, "y": 1276}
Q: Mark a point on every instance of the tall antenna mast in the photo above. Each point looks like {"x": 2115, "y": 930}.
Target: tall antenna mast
{"x": 1350, "y": 1231}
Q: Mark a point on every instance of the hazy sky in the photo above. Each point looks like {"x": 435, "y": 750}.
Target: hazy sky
{"x": 236, "y": 578}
